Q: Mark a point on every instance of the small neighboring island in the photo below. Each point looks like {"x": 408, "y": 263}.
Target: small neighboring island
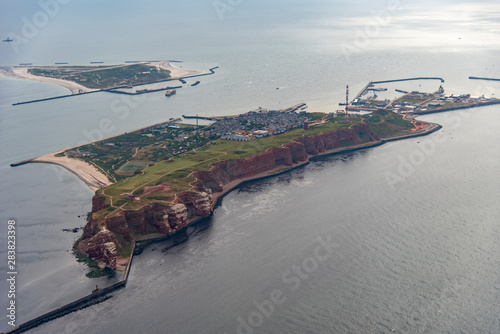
{"x": 84, "y": 79}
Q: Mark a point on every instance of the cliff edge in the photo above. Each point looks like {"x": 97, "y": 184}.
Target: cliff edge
{"x": 105, "y": 240}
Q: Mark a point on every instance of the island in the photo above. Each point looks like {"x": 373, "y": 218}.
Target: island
{"x": 153, "y": 182}
{"x": 89, "y": 78}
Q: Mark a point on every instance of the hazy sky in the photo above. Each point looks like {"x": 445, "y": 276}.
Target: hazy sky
{"x": 411, "y": 23}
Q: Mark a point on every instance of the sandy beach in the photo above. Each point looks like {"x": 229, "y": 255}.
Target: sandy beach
{"x": 22, "y": 73}
{"x": 175, "y": 72}
{"x": 93, "y": 177}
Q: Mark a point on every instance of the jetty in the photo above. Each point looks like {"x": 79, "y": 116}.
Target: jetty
{"x": 409, "y": 79}
{"x": 480, "y": 78}
{"x": 20, "y": 163}
{"x": 55, "y": 98}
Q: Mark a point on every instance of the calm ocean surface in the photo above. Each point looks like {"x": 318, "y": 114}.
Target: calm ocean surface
{"x": 412, "y": 225}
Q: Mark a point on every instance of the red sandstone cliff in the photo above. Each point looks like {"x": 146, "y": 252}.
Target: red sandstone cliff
{"x": 99, "y": 241}
{"x": 292, "y": 153}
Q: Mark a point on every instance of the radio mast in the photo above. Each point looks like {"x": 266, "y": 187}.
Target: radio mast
{"x": 347, "y": 103}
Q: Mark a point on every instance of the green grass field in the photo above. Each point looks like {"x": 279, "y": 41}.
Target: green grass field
{"x": 131, "y": 168}
{"x": 176, "y": 172}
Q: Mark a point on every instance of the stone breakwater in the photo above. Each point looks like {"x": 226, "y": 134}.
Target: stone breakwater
{"x": 99, "y": 240}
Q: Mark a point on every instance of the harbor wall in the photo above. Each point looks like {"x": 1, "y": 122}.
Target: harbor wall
{"x": 409, "y": 79}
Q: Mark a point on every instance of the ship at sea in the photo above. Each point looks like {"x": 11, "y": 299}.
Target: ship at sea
{"x": 8, "y": 40}
{"x": 170, "y": 92}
